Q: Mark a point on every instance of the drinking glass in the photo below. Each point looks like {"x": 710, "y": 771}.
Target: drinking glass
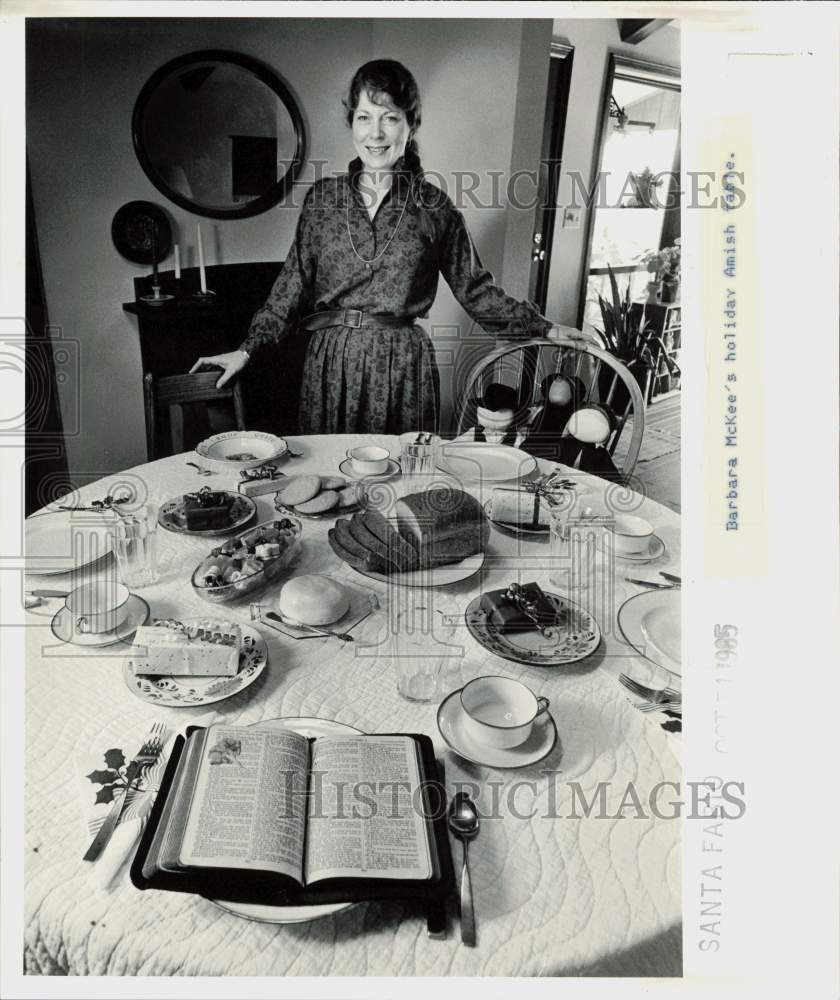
{"x": 416, "y": 459}
{"x": 417, "y": 646}
{"x": 134, "y": 542}
{"x": 576, "y": 540}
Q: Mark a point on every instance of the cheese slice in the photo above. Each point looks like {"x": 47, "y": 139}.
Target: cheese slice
{"x": 204, "y": 648}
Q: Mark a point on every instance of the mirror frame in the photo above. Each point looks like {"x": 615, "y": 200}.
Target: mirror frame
{"x": 642, "y": 71}
{"x": 273, "y": 82}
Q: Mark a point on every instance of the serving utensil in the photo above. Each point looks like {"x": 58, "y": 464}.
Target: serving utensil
{"x": 463, "y": 822}
{"x": 46, "y": 593}
{"x": 149, "y": 753}
{"x": 258, "y": 615}
{"x": 201, "y": 472}
{"x": 672, "y": 577}
{"x": 651, "y": 583}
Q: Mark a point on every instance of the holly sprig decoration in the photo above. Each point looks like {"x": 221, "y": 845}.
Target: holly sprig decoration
{"x": 117, "y": 775}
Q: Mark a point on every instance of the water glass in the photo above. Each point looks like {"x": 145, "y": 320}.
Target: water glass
{"x": 417, "y": 648}
{"x": 416, "y": 459}
{"x": 576, "y": 541}
{"x": 134, "y": 542}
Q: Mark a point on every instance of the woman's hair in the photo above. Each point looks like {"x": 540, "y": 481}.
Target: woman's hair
{"x": 391, "y": 78}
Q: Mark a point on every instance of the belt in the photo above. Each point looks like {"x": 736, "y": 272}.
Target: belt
{"x": 354, "y": 318}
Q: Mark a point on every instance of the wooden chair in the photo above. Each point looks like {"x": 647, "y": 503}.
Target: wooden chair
{"x": 524, "y": 364}
{"x": 173, "y": 393}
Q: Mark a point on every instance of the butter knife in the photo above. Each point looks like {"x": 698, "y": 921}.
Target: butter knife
{"x": 651, "y": 584}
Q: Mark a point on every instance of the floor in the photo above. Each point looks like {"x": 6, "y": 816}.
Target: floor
{"x": 658, "y": 469}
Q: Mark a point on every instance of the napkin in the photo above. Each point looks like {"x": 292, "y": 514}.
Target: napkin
{"x": 99, "y": 782}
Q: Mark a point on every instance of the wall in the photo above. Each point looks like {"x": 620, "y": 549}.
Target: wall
{"x": 593, "y": 40}
{"x": 82, "y": 80}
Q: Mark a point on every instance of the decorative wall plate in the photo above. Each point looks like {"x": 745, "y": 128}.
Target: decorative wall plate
{"x": 135, "y": 229}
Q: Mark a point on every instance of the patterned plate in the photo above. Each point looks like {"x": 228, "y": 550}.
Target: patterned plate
{"x": 171, "y": 516}
{"x": 537, "y": 530}
{"x": 181, "y": 692}
{"x": 578, "y": 636}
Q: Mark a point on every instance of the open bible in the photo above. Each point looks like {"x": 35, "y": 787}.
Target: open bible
{"x": 269, "y": 815}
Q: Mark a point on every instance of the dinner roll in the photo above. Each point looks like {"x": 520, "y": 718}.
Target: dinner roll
{"x": 313, "y": 600}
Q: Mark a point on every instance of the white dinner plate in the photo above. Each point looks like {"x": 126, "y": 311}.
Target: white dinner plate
{"x": 481, "y": 462}
{"x": 262, "y": 912}
{"x": 651, "y": 622}
{"x": 440, "y": 576}
{"x": 187, "y": 692}
{"x": 235, "y": 450}
{"x": 64, "y": 540}
{"x": 137, "y": 614}
{"x": 450, "y": 720}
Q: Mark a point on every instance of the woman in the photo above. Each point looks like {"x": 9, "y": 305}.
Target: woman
{"x": 363, "y": 268}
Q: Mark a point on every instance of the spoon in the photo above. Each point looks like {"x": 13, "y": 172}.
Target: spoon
{"x": 463, "y": 822}
{"x": 201, "y": 472}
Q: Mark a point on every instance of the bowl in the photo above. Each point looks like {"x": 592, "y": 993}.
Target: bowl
{"x": 369, "y": 460}
{"x": 241, "y": 449}
{"x": 632, "y": 535}
{"x": 222, "y": 590}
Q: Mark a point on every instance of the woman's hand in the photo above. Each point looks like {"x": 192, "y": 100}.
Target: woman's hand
{"x": 233, "y": 362}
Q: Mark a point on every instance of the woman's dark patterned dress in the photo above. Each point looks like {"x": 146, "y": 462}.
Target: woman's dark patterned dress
{"x": 379, "y": 379}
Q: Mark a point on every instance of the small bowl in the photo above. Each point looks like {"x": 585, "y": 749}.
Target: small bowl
{"x": 369, "y": 460}
{"x": 234, "y": 590}
{"x": 632, "y": 535}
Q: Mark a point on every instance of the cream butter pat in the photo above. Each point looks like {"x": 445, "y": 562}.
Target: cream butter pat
{"x": 199, "y": 648}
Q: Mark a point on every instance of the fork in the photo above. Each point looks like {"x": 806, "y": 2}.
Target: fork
{"x": 659, "y": 696}
{"x": 148, "y": 754}
{"x": 660, "y": 706}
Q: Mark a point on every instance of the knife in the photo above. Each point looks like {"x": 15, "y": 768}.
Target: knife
{"x": 46, "y": 593}
{"x": 651, "y": 584}
{"x": 670, "y": 576}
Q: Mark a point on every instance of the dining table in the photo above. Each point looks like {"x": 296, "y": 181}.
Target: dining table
{"x": 559, "y": 890}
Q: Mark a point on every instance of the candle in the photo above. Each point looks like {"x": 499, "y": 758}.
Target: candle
{"x": 154, "y": 251}
{"x": 177, "y": 262}
{"x": 201, "y": 259}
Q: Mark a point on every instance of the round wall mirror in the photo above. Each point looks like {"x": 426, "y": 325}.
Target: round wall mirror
{"x": 219, "y": 134}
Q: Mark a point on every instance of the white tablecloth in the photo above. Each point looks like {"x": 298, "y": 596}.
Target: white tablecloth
{"x": 553, "y": 895}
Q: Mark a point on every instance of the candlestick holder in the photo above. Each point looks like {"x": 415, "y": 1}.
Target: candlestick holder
{"x": 205, "y": 296}
{"x": 157, "y": 297}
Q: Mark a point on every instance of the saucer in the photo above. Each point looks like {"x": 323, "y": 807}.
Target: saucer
{"x": 136, "y": 615}
{"x": 450, "y": 720}
{"x": 346, "y": 469}
{"x": 656, "y": 548}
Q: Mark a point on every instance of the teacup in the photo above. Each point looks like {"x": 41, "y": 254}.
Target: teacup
{"x": 499, "y": 711}
{"x": 632, "y": 535}
{"x": 98, "y": 606}
{"x": 369, "y": 460}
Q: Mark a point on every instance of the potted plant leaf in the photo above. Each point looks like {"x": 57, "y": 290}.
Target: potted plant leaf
{"x": 664, "y": 264}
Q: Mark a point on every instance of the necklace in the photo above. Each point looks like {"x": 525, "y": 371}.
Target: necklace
{"x": 365, "y": 260}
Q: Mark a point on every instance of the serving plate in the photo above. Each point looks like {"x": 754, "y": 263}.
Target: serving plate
{"x": 481, "y": 462}
{"x": 651, "y": 623}
{"x": 535, "y": 530}
{"x": 578, "y": 635}
{"x": 183, "y": 692}
{"x": 263, "y": 912}
{"x": 440, "y": 576}
{"x": 234, "y": 450}
{"x": 171, "y": 516}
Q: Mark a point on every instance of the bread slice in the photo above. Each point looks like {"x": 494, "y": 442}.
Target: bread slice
{"x": 349, "y": 550}
{"x": 366, "y": 538}
{"x": 400, "y": 551}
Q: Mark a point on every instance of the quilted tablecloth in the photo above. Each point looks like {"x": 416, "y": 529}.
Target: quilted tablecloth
{"x": 554, "y": 895}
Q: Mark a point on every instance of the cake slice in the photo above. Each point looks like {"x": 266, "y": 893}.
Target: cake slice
{"x": 203, "y": 648}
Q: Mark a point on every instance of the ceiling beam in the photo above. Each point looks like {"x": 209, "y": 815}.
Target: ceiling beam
{"x": 635, "y": 30}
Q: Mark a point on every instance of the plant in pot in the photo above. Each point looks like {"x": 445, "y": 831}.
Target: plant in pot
{"x": 664, "y": 264}
{"x": 626, "y": 335}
